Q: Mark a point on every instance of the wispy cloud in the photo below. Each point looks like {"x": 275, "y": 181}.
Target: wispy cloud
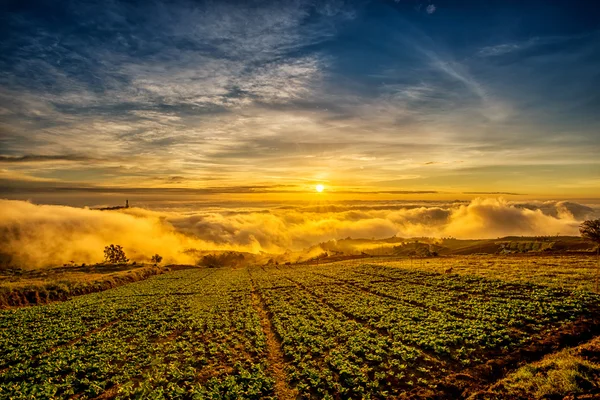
{"x": 35, "y": 158}
{"x": 507, "y": 48}
{"x": 216, "y": 93}
{"x": 493, "y": 108}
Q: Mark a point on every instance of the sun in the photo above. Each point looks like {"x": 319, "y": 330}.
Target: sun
{"x": 319, "y": 188}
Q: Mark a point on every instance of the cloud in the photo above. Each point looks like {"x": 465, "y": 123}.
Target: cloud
{"x": 20, "y": 183}
{"x": 36, "y": 235}
{"x": 493, "y": 108}
{"x": 507, "y": 48}
{"x": 494, "y": 218}
{"x": 202, "y": 55}
{"x": 141, "y": 79}
{"x": 499, "y": 49}
{"x": 496, "y": 193}
{"x": 35, "y": 158}
{"x": 262, "y": 92}
{"x": 430, "y": 9}
{"x": 561, "y": 209}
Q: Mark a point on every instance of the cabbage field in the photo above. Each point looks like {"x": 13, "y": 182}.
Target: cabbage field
{"x": 332, "y": 331}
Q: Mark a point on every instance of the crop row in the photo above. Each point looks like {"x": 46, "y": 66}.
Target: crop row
{"x": 333, "y": 356}
{"x": 436, "y": 331}
{"x": 346, "y": 331}
{"x": 197, "y": 337}
{"x": 472, "y": 284}
{"x": 535, "y": 308}
{"x": 30, "y": 332}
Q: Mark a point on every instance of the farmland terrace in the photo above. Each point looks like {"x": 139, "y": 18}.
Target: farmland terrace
{"x": 337, "y": 331}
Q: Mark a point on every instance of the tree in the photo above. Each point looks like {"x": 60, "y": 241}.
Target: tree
{"x": 156, "y": 259}
{"x": 590, "y": 230}
{"x": 114, "y": 254}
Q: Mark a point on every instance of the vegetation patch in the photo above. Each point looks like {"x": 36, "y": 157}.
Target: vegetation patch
{"x": 33, "y": 287}
{"x": 343, "y": 330}
{"x": 572, "y": 371}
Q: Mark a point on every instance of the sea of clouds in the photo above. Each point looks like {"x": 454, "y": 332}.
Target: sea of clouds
{"x": 34, "y": 235}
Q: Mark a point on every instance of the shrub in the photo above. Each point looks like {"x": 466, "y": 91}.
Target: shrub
{"x": 156, "y": 259}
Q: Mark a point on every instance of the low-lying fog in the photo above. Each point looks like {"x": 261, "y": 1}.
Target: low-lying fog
{"x": 38, "y": 235}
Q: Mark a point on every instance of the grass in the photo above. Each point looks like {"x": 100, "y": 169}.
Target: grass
{"x": 567, "y": 372}
{"x": 20, "y": 287}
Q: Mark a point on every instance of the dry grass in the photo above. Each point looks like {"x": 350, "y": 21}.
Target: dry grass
{"x": 567, "y": 372}
{"x": 27, "y": 287}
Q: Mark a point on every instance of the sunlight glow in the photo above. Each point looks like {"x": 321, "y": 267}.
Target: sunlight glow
{"x": 319, "y": 188}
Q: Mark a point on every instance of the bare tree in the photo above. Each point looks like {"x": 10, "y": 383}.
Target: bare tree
{"x": 590, "y": 230}
{"x": 114, "y": 254}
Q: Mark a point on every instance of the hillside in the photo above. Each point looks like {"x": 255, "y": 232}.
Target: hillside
{"x": 450, "y": 246}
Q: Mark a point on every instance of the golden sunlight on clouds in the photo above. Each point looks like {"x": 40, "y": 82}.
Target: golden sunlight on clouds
{"x": 39, "y": 235}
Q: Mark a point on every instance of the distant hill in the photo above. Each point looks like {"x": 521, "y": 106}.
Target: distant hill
{"x": 451, "y": 246}
{"x": 113, "y": 207}
{"x": 110, "y": 208}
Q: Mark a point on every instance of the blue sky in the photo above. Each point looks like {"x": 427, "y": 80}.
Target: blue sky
{"x": 363, "y": 96}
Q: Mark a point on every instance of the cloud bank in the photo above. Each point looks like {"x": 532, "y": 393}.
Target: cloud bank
{"x": 39, "y": 235}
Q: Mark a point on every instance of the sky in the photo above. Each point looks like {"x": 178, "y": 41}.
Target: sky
{"x": 266, "y": 99}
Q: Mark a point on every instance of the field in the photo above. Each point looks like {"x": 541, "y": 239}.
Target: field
{"x": 352, "y": 329}
{"x": 567, "y": 271}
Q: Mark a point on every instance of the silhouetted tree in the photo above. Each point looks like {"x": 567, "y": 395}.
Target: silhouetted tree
{"x": 156, "y": 259}
{"x": 590, "y": 230}
{"x": 114, "y": 254}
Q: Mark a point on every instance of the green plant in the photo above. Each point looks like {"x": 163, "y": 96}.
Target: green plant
{"x": 344, "y": 330}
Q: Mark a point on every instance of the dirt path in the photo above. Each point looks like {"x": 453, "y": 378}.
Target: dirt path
{"x": 275, "y": 359}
